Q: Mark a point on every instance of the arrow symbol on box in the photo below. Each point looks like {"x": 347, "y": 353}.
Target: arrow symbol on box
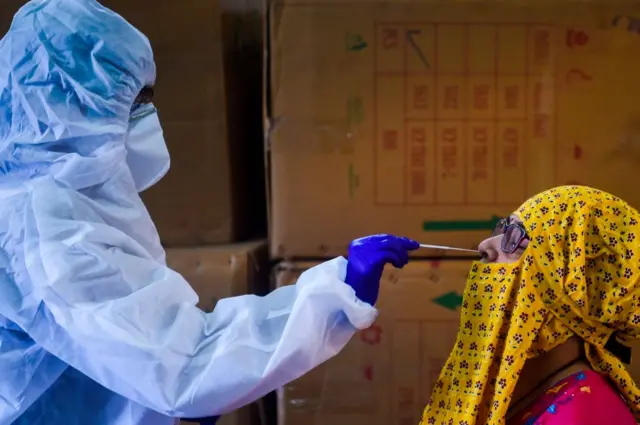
{"x": 451, "y": 300}
{"x": 416, "y": 48}
{"x": 355, "y": 42}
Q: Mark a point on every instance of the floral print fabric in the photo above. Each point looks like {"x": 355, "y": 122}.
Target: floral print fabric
{"x": 578, "y": 276}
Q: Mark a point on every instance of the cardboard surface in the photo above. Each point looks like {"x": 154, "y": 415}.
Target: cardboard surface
{"x": 193, "y": 204}
{"x": 429, "y": 118}
{"x": 385, "y": 374}
{"x": 215, "y": 187}
{"x": 214, "y": 192}
{"x": 220, "y": 272}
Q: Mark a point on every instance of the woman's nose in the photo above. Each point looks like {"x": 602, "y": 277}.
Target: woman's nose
{"x": 490, "y": 249}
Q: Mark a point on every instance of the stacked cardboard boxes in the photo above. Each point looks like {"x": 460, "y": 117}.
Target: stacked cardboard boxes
{"x": 431, "y": 119}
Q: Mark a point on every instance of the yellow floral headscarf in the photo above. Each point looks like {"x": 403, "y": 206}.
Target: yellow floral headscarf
{"x": 578, "y": 276}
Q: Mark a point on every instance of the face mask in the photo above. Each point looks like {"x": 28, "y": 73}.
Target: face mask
{"x": 499, "y": 321}
{"x": 147, "y": 154}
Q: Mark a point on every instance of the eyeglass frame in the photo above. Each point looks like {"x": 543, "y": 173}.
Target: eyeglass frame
{"x": 502, "y": 227}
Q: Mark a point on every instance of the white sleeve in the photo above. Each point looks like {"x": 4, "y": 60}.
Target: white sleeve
{"x": 131, "y": 324}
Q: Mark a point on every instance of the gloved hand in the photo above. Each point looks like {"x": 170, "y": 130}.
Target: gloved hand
{"x": 367, "y": 257}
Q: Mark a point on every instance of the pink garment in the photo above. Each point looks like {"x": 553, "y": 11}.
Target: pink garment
{"x": 584, "y": 398}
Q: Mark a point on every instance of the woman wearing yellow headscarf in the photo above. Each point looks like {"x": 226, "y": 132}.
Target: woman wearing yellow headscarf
{"x": 556, "y": 295}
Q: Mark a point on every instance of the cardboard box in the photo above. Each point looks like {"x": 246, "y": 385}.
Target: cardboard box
{"x": 214, "y": 192}
{"x": 385, "y": 374}
{"x": 429, "y": 119}
{"x": 209, "y": 96}
{"x": 220, "y": 272}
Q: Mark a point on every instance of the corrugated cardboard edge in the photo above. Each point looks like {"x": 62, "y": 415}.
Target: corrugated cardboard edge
{"x": 259, "y": 266}
{"x": 266, "y": 108}
{"x": 270, "y": 122}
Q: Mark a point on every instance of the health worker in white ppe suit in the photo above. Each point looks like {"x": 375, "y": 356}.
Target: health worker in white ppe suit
{"x": 94, "y": 328}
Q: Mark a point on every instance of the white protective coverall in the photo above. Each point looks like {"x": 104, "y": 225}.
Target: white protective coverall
{"x": 94, "y": 328}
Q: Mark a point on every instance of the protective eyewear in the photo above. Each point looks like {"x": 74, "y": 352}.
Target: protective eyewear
{"x": 142, "y": 105}
{"x": 514, "y": 234}
{"x": 142, "y": 112}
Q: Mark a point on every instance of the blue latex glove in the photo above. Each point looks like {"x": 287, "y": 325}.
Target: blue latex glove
{"x": 367, "y": 258}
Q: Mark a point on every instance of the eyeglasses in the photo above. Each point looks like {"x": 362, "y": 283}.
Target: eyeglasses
{"x": 514, "y": 234}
